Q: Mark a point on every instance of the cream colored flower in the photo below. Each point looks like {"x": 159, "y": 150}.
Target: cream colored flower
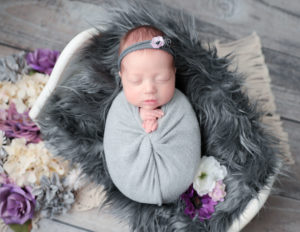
{"x": 24, "y": 92}
{"x": 209, "y": 172}
{"x": 26, "y": 164}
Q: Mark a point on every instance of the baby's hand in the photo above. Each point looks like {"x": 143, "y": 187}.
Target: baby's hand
{"x": 149, "y": 118}
{"x": 150, "y": 125}
{"x": 150, "y": 114}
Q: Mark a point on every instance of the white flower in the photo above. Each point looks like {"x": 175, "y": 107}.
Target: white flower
{"x": 209, "y": 172}
{"x": 24, "y": 92}
{"x": 26, "y": 164}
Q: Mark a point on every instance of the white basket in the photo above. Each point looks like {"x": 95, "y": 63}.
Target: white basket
{"x": 73, "y": 46}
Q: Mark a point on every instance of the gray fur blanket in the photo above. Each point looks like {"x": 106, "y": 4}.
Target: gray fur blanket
{"x": 73, "y": 121}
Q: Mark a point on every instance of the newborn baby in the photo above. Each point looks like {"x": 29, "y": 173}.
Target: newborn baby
{"x": 148, "y": 79}
{"x": 152, "y": 138}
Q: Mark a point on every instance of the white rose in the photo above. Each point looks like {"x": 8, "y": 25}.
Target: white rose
{"x": 209, "y": 172}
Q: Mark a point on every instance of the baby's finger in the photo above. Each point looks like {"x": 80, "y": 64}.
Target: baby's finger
{"x": 147, "y": 126}
{"x": 147, "y": 130}
{"x": 151, "y": 116}
{"x": 159, "y": 113}
{"x": 154, "y": 126}
{"x": 154, "y": 114}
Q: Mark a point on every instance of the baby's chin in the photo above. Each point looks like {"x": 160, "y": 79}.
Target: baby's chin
{"x": 146, "y": 106}
{"x": 149, "y": 107}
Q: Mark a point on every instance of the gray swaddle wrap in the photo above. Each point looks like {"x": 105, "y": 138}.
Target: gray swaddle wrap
{"x": 152, "y": 168}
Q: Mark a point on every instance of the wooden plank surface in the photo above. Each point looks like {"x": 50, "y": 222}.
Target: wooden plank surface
{"x": 278, "y": 215}
{"x": 6, "y": 51}
{"x": 288, "y": 184}
{"x": 284, "y": 69}
{"x": 287, "y": 102}
{"x": 44, "y": 24}
{"x": 276, "y": 22}
{"x": 51, "y": 24}
{"x": 94, "y": 220}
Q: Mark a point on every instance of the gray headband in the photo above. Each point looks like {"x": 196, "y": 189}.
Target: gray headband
{"x": 158, "y": 42}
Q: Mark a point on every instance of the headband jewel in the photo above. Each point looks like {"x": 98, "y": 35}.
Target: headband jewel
{"x": 158, "y": 42}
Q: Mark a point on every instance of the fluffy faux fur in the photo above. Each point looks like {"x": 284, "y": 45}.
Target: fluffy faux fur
{"x": 73, "y": 120}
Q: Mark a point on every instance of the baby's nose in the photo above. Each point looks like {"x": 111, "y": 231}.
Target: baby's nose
{"x": 150, "y": 87}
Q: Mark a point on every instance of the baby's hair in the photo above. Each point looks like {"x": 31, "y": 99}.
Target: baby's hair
{"x": 138, "y": 34}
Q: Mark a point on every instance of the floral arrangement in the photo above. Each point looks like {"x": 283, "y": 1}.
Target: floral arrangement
{"x": 33, "y": 183}
{"x": 206, "y": 190}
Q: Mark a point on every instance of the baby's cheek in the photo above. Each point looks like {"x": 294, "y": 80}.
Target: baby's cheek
{"x": 131, "y": 95}
{"x": 168, "y": 94}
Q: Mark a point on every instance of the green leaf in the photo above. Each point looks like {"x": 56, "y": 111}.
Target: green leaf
{"x": 26, "y": 227}
{"x": 31, "y": 72}
{"x": 202, "y": 176}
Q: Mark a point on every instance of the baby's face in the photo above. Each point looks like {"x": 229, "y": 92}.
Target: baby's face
{"x": 148, "y": 78}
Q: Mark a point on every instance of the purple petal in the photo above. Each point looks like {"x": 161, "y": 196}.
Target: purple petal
{"x": 36, "y": 67}
{"x": 11, "y": 203}
{"x": 42, "y": 60}
{"x": 16, "y": 196}
{"x": 12, "y": 212}
{"x": 19, "y": 204}
{"x": 2, "y": 208}
{"x": 19, "y": 125}
{"x": 4, "y": 192}
{"x": 30, "y": 58}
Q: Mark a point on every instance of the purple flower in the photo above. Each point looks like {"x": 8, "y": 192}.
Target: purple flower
{"x": 18, "y": 125}
{"x": 157, "y": 42}
{"x": 42, "y": 60}
{"x": 16, "y": 204}
{"x": 195, "y": 205}
{"x": 207, "y": 209}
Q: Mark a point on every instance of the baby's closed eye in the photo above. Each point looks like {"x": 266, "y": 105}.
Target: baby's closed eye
{"x": 135, "y": 79}
{"x": 162, "y": 78}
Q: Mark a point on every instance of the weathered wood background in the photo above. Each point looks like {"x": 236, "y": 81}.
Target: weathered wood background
{"x": 29, "y": 24}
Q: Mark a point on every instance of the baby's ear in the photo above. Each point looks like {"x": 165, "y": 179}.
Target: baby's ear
{"x": 120, "y": 74}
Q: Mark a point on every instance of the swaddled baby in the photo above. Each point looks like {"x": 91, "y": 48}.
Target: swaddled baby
{"x": 152, "y": 137}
